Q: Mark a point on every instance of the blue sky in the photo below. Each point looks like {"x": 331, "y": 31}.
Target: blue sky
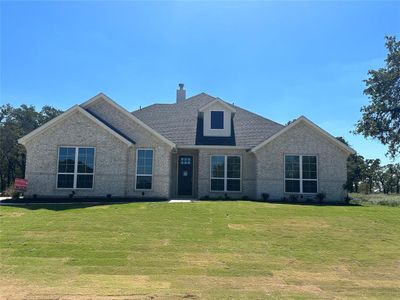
{"x": 278, "y": 59}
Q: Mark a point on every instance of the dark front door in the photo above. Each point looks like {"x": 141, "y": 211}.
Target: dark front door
{"x": 185, "y": 175}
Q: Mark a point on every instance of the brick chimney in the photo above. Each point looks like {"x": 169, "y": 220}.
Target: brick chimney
{"x": 181, "y": 93}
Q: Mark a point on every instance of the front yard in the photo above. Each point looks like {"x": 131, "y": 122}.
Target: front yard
{"x": 201, "y": 250}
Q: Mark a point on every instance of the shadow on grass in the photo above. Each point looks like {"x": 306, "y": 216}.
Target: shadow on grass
{"x": 287, "y": 202}
{"x": 60, "y": 204}
{"x": 305, "y": 203}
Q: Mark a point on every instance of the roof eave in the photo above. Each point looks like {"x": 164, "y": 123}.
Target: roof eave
{"x": 74, "y": 109}
{"x": 313, "y": 125}
{"x": 129, "y": 115}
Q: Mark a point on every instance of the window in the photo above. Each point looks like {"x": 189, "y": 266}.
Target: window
{"x": 301, "y": 174}
{"x": 144, "y": 169}
{"x": 292, "y": 174}
{"x": 75, "y": 168}
{"x": 225, "y": 173}
{"x": 217, "y": 120}
{"x": 185, "y": 160}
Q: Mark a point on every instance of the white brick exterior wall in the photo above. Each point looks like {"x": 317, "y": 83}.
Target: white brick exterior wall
{"x": 302, "y": 140}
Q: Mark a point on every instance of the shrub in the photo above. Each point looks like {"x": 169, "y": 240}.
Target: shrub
{"x": 8, "y": 192}
{"x": 320, "y": 197}
{"x": 245, "y": 197}
{"x": 16, "y": 195}
{"x": 309, "y": 200}
{"x": 293, "y": 198}
{"x": 265, "y": 196}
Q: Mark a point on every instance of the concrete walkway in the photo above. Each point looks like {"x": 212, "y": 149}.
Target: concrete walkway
{"x": 180, "y": 201}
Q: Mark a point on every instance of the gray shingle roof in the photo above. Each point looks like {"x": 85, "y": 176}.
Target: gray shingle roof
{"x": 116, "y": 130}
{"x": 178, "y": 122}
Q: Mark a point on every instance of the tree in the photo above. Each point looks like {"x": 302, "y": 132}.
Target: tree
{"x": 355, "y": 172}
{"x": 396, "y": 180}
{"x": 343, "y": 140}
{"x": 381, "y": 117}
{"x": 355, "y": 169}
{"x": 15, "y": 123}
{"x": 370, "y": 172}
{"x": 385, "y": 178}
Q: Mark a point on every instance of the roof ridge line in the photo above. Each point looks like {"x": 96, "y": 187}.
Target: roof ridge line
{"x": 260, "y": 116}
{"x": 109, "y": 125}
{"x": 185, "y": 101}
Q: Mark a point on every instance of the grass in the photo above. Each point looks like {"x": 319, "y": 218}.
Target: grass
{"x": 376, "y": 199}
{"x": 202, "y": 250}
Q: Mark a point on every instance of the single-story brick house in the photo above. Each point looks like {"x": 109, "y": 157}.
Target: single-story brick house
{"x": 197, "y": 147}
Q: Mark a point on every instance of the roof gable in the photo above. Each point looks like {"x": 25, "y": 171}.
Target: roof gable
{"x": 102, "y": 96}
{"x": 219, "y": 101}
{"x": 303, "y": 119}
{"x": 66, "y": 114}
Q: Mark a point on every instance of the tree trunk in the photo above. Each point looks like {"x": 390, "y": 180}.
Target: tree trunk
{"x": 23, "y": 165}
{"x": 2, "y": 183}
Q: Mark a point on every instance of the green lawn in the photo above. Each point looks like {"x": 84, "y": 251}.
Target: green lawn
{"x": 202, "y": 250}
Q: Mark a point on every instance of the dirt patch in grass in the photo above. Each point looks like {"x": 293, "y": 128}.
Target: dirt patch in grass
{"x": 13, "y": 215}
{"x": 265, "y": 285}
{"x": 300, "y": 224}
{"x": 341, "y": 270}
{"x": 238, "y": 226}
{"x": 202, "y": 260}
{"x": 137, "y": 282}
{"x": 326, "y": 280}
{"x": 39, "y": 234}
{"x": 106, "y": 287}
{"x": 164, "y": 242}
{"x": 100, "y": 206}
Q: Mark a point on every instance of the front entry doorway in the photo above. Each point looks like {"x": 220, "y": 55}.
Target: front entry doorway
{"x": 185, "y": 175}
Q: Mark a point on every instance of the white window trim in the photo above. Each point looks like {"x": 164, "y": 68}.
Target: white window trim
{"x": 301, "y": 174}
{"x": 152, "y": 169}
{"x": 75, "y": 173}
{"x": 225, "y": 178}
